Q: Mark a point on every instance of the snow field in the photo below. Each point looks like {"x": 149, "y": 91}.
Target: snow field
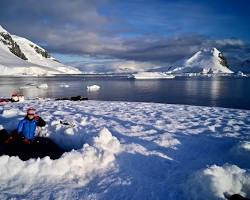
{"x": 123, "y": 150}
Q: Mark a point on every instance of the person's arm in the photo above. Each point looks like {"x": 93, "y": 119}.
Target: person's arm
{"x": 20, "y": 127}
{"x": 39, "y": 121}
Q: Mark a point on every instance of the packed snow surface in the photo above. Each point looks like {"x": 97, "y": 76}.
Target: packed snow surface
{"x": 123, "y": 150}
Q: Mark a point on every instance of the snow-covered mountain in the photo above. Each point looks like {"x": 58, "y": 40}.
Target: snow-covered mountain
{"x": 19, "y": 56}
{"x": 204, "y": 61}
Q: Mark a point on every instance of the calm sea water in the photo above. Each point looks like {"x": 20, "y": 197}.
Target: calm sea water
{"x": 233, "y": 92}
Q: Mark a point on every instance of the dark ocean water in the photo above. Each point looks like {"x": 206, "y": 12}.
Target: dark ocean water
{"x": 232, "y": 92}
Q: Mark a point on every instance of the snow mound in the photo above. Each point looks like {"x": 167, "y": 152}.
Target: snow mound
{"x": 245, "y": 145}
{"x": 73, "y": 169}
{"x": 216, "y": 181}
{"x": 8, "y": 113}
{"x": 166, "y": 140}
{"x": 107, "y": 142}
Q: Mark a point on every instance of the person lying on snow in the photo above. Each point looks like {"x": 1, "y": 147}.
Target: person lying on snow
{"x": 27, "y": 127}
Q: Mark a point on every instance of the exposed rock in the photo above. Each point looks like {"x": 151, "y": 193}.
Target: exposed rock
{"x": 223, "y": 60}
{"x": 43, "y": 52}
{"x": 12, "y": 45}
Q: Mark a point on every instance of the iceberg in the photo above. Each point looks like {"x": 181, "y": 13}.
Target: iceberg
{"x": 152, "y": 75}
{"x": 93, "y": 87}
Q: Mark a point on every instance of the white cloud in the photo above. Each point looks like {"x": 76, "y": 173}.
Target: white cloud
{"x": 232, "y": 42}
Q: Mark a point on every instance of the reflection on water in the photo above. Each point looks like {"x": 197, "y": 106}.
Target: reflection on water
{"x": 208, "y": 91}
{"x": 215, "y": 91}
{"x": 191, "y": 87}
{"x": 147, "y": 85}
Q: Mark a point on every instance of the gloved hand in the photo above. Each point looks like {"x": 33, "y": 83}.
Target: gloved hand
{"x": 26, "y": 141}
{"x": 36, "y": 117}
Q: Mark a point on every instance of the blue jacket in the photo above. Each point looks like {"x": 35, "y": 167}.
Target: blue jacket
{"x": 27, "y": 127}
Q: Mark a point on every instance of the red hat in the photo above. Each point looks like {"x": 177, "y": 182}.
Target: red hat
{"x": 31, "y": 111}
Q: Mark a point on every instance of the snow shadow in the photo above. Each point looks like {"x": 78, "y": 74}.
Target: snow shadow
{"x": 40, "y": 147}
{"x": 150, "y": 176}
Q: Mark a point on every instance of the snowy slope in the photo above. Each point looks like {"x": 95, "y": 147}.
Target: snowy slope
{"x": 13, "y": 65}
{"x": 132, "y": 151}
{"x": 31, "y": 50}
{"x": 2, "y": 30}
{"x": 19, "y": 56}
{"x": 204, "y": 61}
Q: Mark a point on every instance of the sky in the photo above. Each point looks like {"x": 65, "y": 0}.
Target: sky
{"x": 155, "y": 31}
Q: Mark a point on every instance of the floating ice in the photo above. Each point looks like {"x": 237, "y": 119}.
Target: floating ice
{"x": 153, "y": 75}
{"x": 43, "y": 86}
{"x": 93, "y": 87}
{"x": 64, "y": 86}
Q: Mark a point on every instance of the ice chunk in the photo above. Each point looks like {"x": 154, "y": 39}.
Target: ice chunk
{"x": 43, "y": 86}
{"x": 64, "y": 86}
{"x": 239, "y": 73}
{"x": 93, "y": 87}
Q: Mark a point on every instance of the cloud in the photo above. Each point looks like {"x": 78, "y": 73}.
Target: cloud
{"x": 134, "y": 32}
{"x": 54, "y": 21}
{"x": 231, "y": 42}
